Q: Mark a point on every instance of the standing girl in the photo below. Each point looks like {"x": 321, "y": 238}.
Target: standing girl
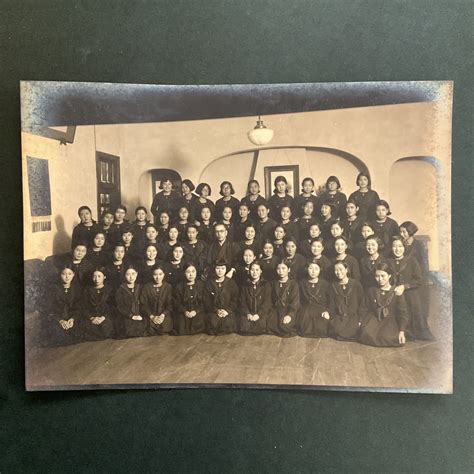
{"x": 227, "y": 199}
{"x": 119, "y": 221}
{"x": 189, "y": 198}
{"x": 107, "y": 219}
{"x": 307, "y": 194}
{"x": 253, "y": 198}
{"x": 86, "y": 229}
{"x": 305, "y": 243}
{"x": 78, "y": 262}
{"x": 242, "y": 271}
{"x": 150, "y": 262}
{"x": 280, "y": 198}
{"x": 183, "y": 222}
{"x": 327, "y": 219}
{"x": 203, "y": 190}
{"x": 206, "y": 226}
{"x": 385, "y": 227}
{"x": 166, "y": 248}
{"x": 365, "y": 197}
{"x": 334, "y": 196}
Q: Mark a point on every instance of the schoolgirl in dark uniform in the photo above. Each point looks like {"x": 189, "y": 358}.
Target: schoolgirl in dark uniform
{"x": 286, "y": 303}
{"x": 175, "y": 267}
{"x": 341, "y": 255}
{"x": 242, "y": 223}
{"x": 243, "y": 266}
{"x": 337, "y": 230}
{"x": 291, "y": 227}
{"x": 365, "y": 197}
{"x": 265, "y": 225}
{"x": 182, "y": 223}
{"x": 165, "y": 249}
{"x": 78, "y": 262}
{"x": 166, "y": 200}
{"x": 86, "y": 229}
{"x": 333, "y": 196}
{"x": 359, "y": 250}
{"x": 132, "y": 249}
{"x": 269, "y": 262}
{"x": 115, "y": 233}
{"x": 149, "y": 263}
{"x": 195, "y": 250}
{"x": 308, "y": 219}
{"x": 317, "y": 256}
{"x": 139, "y": 226}
{"x": 313, "y": 315}
{"x": 307, "y": 194}
{"x": 203, "y": 190}
{"x": 352, "y": 222}
{"x": 369, "y": 262}
{"x": 227, "y": 220}
{"x": 206, "y": 226}
{"x": 346, "y": 305}
{"x": 305, "y": 243}
{"x": 251, "y": 241}
{"x": 189, "y": 198}
{"x": 327, "y": 219}
{"x": 221, "y": 298}
{"x": 296, "y": 262}
{"x": 253, "y": 198}
{"x": 255, "y": 302}
{"x": 387, "y": 316}
{"x": 115, "y": 269}
{"x": 97, "y": 309}
{"x": 280, "y": 198}
{"x": 156, "y": 303}
{"x": 385, "y": 227}
{"x": 279, "y": 241}
{"x": 189, "y": 316}
{"x": 227, "y": 199}
{"x": 97, "y": 255}
{"x": 106, "y": 221}
{"x": 163, "y": 226}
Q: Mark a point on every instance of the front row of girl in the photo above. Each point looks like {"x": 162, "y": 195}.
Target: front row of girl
{"x": 285, "y": 307}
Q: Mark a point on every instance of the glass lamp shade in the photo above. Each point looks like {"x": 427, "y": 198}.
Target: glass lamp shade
{"x": 260, "y": 135}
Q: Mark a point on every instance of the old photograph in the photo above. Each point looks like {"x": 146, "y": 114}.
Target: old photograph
{"x": 272, "y": 235}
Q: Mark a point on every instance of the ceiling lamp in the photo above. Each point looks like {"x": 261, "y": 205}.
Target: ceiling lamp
{"x": 260, "y": 135}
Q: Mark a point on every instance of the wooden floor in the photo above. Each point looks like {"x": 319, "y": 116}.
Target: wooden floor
{"x": 255, "y": 360}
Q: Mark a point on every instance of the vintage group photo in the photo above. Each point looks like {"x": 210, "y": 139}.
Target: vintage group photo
{"x": 286, "y": 235}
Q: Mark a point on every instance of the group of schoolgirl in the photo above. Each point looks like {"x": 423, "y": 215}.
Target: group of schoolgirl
{"x": 314, "y": 266}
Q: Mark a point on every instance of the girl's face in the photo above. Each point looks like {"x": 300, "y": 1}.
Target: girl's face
{"x": 164, "y": 218}
{"x": 151, "y": 233}
{"x": 268, "y": 250}
{"x": 178, "y": 253}
{"x": 404, "y": 233}
{"x": 221, "y": 270}
{"x": 108, "y": 219}
{"x": 382, "y": 278}
{"x": 173, "y": 234}
{"x": 371, "y": 246}
{"x": 226, "y": 190}
{"x": 279, "y": 233}
{"x": 290, "y": 248}
{"x": 205, "y": 214}
{"x": 308, "y": 208}
{"x": 381, "y": 212}
{"x": 248, "y": 256}
{"x": 79, "y": 252}
{"x": 99, "y": 240}
{"x": 332, "y": 186}
{"x": 250, "y": 233}
{"x": 308, "y": 187}
{"x": 325, "y": 210}
{"x": 340, "y": 271}
{"x": 119, "y": 215}
{"x": 366, "y": 231}
{"x": 185, "y": 189}
{"x": 243, "y": 212}
{"x": 192, "y": 234}
{"x": 262, "y": 212}
{"x": 85, "y": 216}
{"x": 131, "y": 275}
{"x": 282, "y": 270}
{"x": 317, "y": 248}
{"x": 127, "y": 238}
{"x": 398, "y": 248}
{"x": 205, "y": 192}
{"x": 313, "y": 270}
{"x": 314, "y": 231}
{"x": 336, "y": 230}
{"x": 140, "y": 215}
{"x": 151, "y": 252}
{"x": 158, "y": 276}
{"x": 98, "y": 278}
{"x": 363, "y": 182}
{"x": 254, "y": 188}
{"x": 183, "y": 214}
{"x": 351, "y": 209}
{"x": 190, "y": 274}
{"x": 67, "y": 275}
{"x": 255, "y": 272}
{"x": 285, "y": 213}
{"x": 167, "y": 186}
{"x": 281, "y": 187}
{"x": 227, "y": 213}
{"x": 119, "y": 253}
{"x": 340, "y": 246}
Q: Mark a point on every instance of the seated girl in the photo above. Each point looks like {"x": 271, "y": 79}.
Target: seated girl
{"x": 97, "y": 255}
{"x": 327, "y": 219}
{"x": 307, "y": 219}
{"x": 156, "y": 301}
{"x": 286, "y": 303}
{"x": 206, "y": 226}
{"x": 195, "y": 250}
{"x": 128, "y": 305}
{"x": 86, "y": 229}
{"x": 313, "y": 316}
{"x": 296, "y": 262}
{"x": 78, "y": 262}
{"x": 341, "y": 255}
{"x": 317, "y": 256}
{"x": 98, "y": 313}
{"x": 148, "y": 264}
{"x": 106, "y": 221}
{"x": 269, "y": 262}
{"x": 165, "y": 249}
{"x": 346, "y": 305}
{"x": 163, "y": 226}
{"x": 385, "y": 227}
{"x": 336, "y": 231}
{"x": 221, "y": 297}
{"x": 265, "y": 225}
{"x": 152, "y": 238}
{"x": 189, "y": 316}
{"x": 132, "y": 248}
{"x": 243, "y": 267}
{"x": 241, "y": 224}
{"x": 175, "y": 267}
{"x": 360, "y": 249}
{"x": 226, "y": 219}
{"x": 139, "y": 226}
{"x": 279, "y": 241}
{"x": 368, "y": 263}
{"x": 115, "y": 270}
{"x": 182, "y": 222}
{"x": 251, "y": 241}
{"x": 255, "y": 302}
{"x": 387, "y": 315}
{"x": 119, "y": 221}
{"x": 352, "y": 222}
{"x": 286, "y": 221}
{"x": 305, "y": 243}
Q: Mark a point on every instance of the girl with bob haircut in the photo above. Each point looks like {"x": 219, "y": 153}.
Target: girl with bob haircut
{"x": 385, "y": 227}
{"x": 387, "y": 315}
{"x": 227, "y": 200}
{"x": 189, "y": 198}
{"x": 280, "y": 198}
{"x": 86, "y": 229}
{"x": 307, "y": 194}
{"x": 203, "y": 191}
{"x": 253, "y": 198}
{"x": 333, "y": 195}
{"x": 166, "y": 200}
{"x": 139, "y": 226}
{"x": 341, "y": 255}
{"x": 365, "y": 197}
{"x": 369, "y": 262}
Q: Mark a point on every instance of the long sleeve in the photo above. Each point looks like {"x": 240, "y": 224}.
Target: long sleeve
{"x": 123, "y": 303}
{"x": 293, "y": 299}
{"x": 416, "y": 278}
{"x": 146, "y": 302}
{"x": 401, "y": 312}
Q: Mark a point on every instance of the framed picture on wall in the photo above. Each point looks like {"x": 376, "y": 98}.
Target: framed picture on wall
{"x": 290, "y": 173}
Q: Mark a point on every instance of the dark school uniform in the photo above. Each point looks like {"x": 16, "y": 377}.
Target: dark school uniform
{"x": 227, "y": 251}
{"x": 85, "y": 234}
{"x": 337, "y": 200}
{"x": 304, "y": 223}
{"x": 98, "y": 302}
{"x": 157, "y": 300}
{"x": 300, "y": 201}
{"x": 279, "y": 249}
{"x": 359, "y": 249}
{"x": 82, "y": 269}
{"x": 385, "y": 231}
{"x": 97, "y": 258}
{"x": 115, "y": 233}
{"x": 305, "y": 247}
{"x": 291, "y": 229}
{"x": 133, "y": 253}
{"x": 163, "y": 233}
{"x": 325, "y": 226}
{"x": 266, "y": 230}
{"x": 239, "y": 229}
{"x": 191, "y": 204}
{"x": 255, "y": 246}
{"x": 115, "y": 273}
{"x": 346, "y": 310}
{"x": 165, "y": 250}
{"x": 188, "y": 298}
{"x": 353, "y": 266}
{"x": 253, "y": 205}
{"x": 269, "y": 266}
{"x": 241, "y": 274}
{"x": 314, "y": 302}
{"x": 387, "y": 316}
{"x": 182, "y": 229}
{"x": 325, "y": 265}
{"x": 255, "y": 298}
{"x": 286, "y": 302}
{"x": 206, "y": 232}
{"x": 166, "y": 202}
{"x": 146, "y": 269}
{"x": 275, "y": 203}
{"x": 221, "y": 295}
{"x": 107, "y": 232}
{"x": 196, "y": 253}
{"x": 128, "y": 305}
{"x": 407, "y": 272}
{"x": 139, "y": 233}
{"x": 366, "y": 203}
{"x": 297, "y": 266}
{"x": 367, "y": 270}
{"x": 64, "y": 304}
{"x": 233, "y": 203}
{"x": 199, "y": 206}
{"x": 174, "y": 272}
{"x": 352, "y": 229}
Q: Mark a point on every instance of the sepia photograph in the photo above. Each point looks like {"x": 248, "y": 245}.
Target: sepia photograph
{"x": 261, "y": 236}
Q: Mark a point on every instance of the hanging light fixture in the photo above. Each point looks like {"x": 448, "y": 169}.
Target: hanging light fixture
{"x": 260, "y": 135}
